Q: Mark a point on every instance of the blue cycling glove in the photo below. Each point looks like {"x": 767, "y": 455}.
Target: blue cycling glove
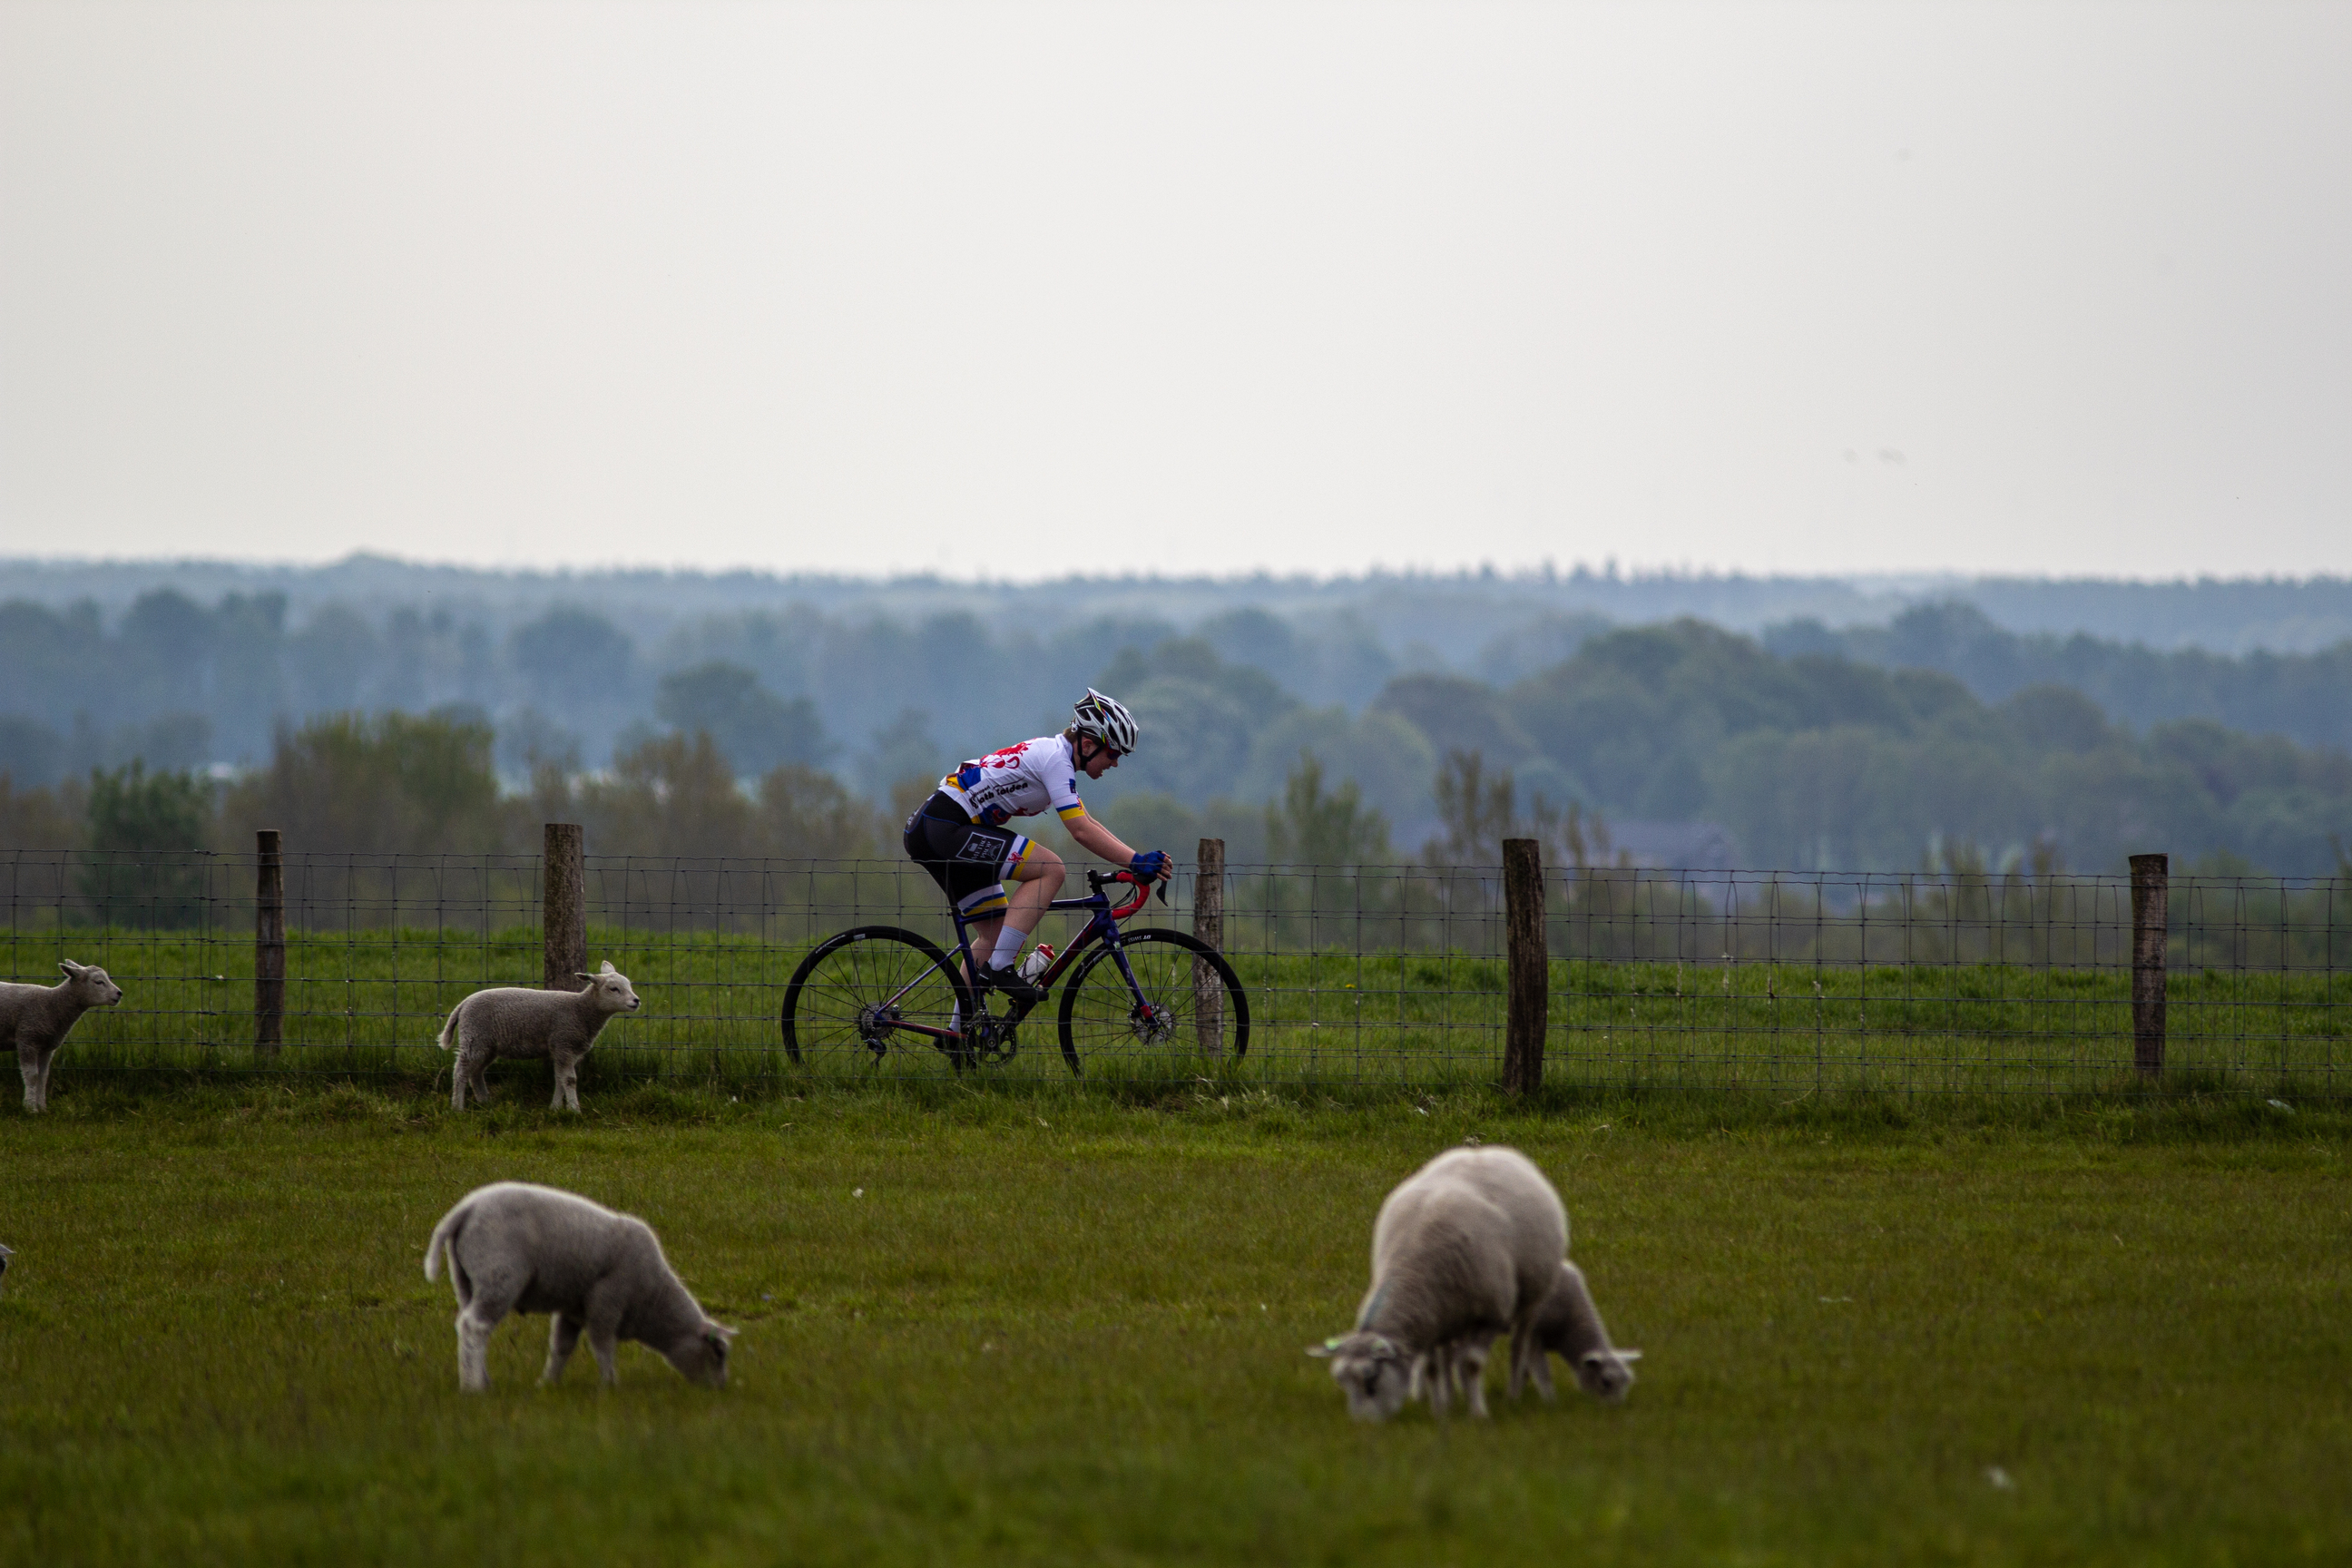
{"x": 1151, "y": 865}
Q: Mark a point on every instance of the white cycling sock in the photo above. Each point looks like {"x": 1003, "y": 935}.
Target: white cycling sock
{"x": 1008, "y": 947}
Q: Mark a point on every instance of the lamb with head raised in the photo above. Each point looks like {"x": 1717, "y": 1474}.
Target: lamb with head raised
{"x": 1464, "y": 1249}
{"x": 36, "y": 1018}
{"x": 517, "y": 1247}
{"x": 516, "y": 1021}
{"x": 1569, "y": 1325}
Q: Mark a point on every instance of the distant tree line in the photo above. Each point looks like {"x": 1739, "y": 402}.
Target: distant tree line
{"x": 2304, "y": 697}
{"x": 769, "y": 731}
{"x": 1810, "y": 761}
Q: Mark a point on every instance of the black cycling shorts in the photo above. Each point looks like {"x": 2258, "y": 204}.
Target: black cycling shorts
{"x": 969, "y": 862}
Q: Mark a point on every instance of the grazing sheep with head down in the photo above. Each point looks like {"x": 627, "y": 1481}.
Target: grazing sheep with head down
{"x": 1466, "y": 1248}
{"x": 517, "y": 1247}
{"x": 37, "y": 1017}
{"x": 515, "y": 1021}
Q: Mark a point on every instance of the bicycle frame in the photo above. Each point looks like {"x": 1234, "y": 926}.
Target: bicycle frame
{"x": 1103, "y": 927}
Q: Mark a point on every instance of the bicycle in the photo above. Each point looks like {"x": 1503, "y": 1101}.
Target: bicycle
{"x": 883, "y": 985}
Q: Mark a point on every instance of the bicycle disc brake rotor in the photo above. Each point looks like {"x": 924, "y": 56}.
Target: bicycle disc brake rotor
{"x": 1153, "y": 1024}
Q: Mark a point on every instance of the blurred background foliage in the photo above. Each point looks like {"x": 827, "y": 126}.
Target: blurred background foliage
{"x": 1386, "y": 719}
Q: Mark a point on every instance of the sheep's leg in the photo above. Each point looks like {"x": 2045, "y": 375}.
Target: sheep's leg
{"x": 474, "y": 1351}
{"x": 567, "y": 1084}
{"x": 1440, "y": 1379}
{"x": 1526, "y": 1356}
{"x": 602, "y": 1317}
{"x": 28, "y": 1068}
{"x": 467, "y": 1074}
{"x": 563, "y": 1335}
{"x": 1539, "y": 1372}
{"x": 606, "y": 1344}
{"x": 1470, "y": 1362}
{"x": 37, "y": 1094}
{"x": 486, "y": 1292}
{"x": 1459, "y": 1375}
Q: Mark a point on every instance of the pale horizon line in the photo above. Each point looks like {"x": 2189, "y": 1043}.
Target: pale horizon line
{"x": 1547, "y": 570}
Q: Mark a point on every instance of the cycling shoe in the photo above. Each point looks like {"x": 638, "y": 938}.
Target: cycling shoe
{"x": 1008, "y": 981}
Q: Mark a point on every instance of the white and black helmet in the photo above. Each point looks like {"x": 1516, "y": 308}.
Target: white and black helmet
{"x": 1104, "y": 719}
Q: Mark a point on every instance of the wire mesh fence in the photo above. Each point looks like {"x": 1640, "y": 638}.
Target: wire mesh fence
{"x": 1395, "y": 974}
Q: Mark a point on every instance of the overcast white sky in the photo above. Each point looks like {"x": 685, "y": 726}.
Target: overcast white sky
{"x": 1021, "y": 288}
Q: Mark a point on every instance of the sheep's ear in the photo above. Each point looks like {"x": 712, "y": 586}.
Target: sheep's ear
{"x": 1327, "y": 1348}
{"x": 68, "y": 967}
{"x": 605, "y": 967}
{"x": 720, "y": 1329}
{"x": 1629, "y": 1355}
{"x": 583, "y": 974}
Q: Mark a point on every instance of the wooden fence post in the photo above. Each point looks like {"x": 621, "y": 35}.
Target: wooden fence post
{"x": 1530, "y": 980}
{"x": 1209, "y": 925}
{"x": 563, "y": 906}
{"x": 2151, "y": 877}
{"x": 269, "y": 945}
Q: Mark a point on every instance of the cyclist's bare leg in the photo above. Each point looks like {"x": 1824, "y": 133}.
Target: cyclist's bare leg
{"x": 1038, "y": 879}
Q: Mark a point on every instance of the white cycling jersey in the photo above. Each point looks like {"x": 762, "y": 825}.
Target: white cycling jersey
{"x": 1019, "y": 781}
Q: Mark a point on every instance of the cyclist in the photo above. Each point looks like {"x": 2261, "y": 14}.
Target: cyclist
{"x": 960, "y": 837}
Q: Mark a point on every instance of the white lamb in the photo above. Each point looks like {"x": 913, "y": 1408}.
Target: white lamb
{"x": 1569, "y": 1325}
{"x": 1466, "y": 1248}
{"x": 37, "y": 1017}
{"x": 515, "y": 1021}
{"x": 517, "y": 1247}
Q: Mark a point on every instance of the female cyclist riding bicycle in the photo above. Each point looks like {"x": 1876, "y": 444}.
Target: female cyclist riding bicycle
{"x": 959, "y": 835}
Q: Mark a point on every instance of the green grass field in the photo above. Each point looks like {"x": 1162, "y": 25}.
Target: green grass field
{"x": 371, "y": 1003}
{"x": 1046, "y": 1325}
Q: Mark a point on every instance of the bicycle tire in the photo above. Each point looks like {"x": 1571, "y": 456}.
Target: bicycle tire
{"x": 833, "y": 1000}
{"x": 1178, "y": 974}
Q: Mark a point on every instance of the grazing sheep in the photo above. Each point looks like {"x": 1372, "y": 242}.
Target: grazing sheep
{"x": 515, "y": 1021}
{"x": 37, "y": 1017}
{"x": 1568, "y": 1325}
{"x": 517, "y": 1247}
{"x": 1464, "y": 1249}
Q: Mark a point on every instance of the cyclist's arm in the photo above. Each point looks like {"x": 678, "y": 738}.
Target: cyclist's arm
{"x": 1101, "y": 841}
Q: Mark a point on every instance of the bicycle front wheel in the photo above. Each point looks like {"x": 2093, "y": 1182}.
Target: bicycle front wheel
{"x": 1185, "y": 998}
{"x": 864, "y": 989}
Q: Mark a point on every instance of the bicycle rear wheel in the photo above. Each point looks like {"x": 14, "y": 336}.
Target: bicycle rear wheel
{"x": 863, "y": 987}
{"x": 1190, "y": 1001}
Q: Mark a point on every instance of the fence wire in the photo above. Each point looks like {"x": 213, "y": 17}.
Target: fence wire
{"x": 1767, "y": 980}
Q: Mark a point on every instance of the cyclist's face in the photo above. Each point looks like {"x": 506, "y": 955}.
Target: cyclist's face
{"x": 1100, "y": 758}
